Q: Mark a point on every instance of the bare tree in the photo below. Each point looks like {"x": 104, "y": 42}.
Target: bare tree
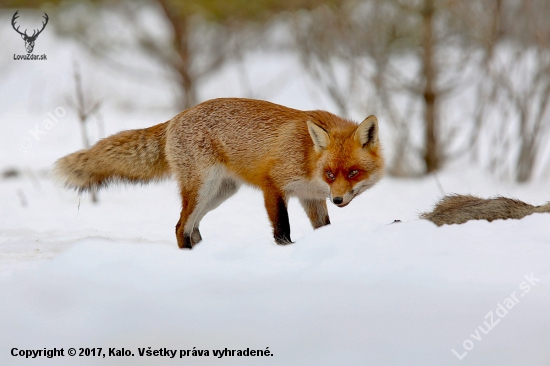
{"x": 429, "y": 72}
{"x": 189, "y": 53}
{"x": 331, "y": 65}
{"x": 516, "y": 88}
{"x": 202, "y": 35}
{"x": 84, "y": 109}
{"x": 353, "y": 51}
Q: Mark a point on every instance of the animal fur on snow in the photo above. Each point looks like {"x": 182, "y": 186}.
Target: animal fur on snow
{"x": 458, "y": 209}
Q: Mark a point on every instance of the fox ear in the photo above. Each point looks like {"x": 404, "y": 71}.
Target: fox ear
{"x": 367, "y": 132}
{"x": 318, "y": 135}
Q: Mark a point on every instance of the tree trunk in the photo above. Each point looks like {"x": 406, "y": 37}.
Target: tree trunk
{"x": 525, "y": 163}
{"x": 181, "y": 46}
{"x": 526, "y": 158}
{"x": 431, "y": 155}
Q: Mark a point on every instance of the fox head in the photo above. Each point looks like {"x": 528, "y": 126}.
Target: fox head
{"x": 349, "y": 161}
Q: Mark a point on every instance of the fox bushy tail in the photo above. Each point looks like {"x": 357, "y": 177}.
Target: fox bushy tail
{"x": 135, "y": 156}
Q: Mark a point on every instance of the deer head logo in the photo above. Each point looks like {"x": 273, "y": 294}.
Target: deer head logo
{"x": 29, "y": 40}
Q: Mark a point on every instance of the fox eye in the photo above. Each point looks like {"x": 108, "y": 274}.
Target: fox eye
{"x": 353, "y": 173}
{"x": 330, "y": 175}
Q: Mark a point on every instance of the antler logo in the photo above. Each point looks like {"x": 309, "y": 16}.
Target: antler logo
{"x": 29, "y": 40}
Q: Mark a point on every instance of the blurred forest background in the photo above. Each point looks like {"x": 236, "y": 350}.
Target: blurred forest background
{"x": 448, "y": 78}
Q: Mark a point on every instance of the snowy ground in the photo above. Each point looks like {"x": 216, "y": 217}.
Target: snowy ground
{"x": 359, "y": 292}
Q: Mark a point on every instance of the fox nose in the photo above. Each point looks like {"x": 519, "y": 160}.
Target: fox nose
{"x": 337, "y": 200}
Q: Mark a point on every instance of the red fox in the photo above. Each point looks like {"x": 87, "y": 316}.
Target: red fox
{"x": 215, "y": 147}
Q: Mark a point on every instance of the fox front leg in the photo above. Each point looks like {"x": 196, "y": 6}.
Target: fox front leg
{"x": 278, "y": 215}
{"x": 316, "y": 211}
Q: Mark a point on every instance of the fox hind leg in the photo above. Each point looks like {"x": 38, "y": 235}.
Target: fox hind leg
{"x": 227, "y": 188}
{"x": 214, "y": 190}
{"x": 188, "y": 206}
{"x": 317, "y": 212}
{"x": 196, "y": 235}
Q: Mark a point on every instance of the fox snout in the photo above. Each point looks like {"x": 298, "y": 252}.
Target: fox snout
{"x": 341, "y": 199}
{"x": 341, "y": 192}
{"x": 337, "y": 200}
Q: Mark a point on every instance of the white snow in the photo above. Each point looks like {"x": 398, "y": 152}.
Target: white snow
{"x": 359, "y": 292}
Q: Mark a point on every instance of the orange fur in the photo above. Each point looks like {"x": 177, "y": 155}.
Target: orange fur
{"x": 214, "y": 147}
{"x": 128, "y": 156}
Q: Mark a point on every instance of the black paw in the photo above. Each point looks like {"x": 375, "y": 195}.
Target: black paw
{"x": 283, "y": 240}
{"x": 187, "y": 244}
